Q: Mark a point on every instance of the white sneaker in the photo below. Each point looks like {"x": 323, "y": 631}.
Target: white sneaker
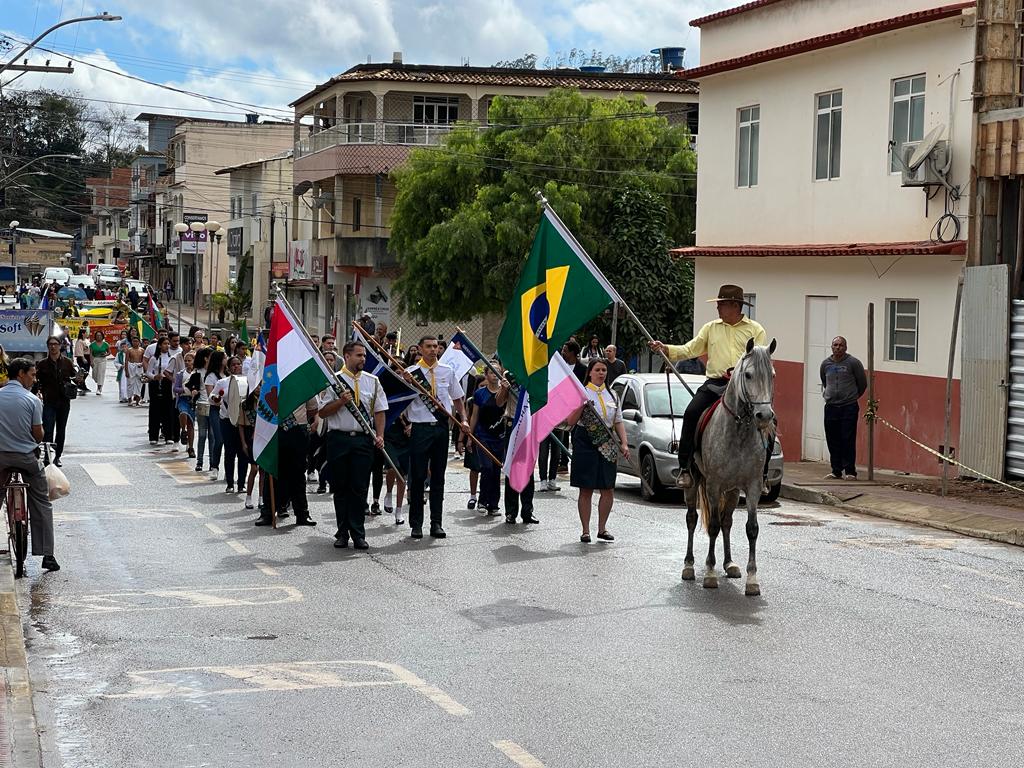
{"x": 214, "y": 473}
{"x": 552, "y": 485}
{"x": 248, "y": 501}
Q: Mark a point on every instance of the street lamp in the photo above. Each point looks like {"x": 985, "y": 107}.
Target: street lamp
{"x": 101, "y": 17}
{"x": 181, "y": 229}
{"x": 8, "y": 177}
{"x": 212, "y": 227}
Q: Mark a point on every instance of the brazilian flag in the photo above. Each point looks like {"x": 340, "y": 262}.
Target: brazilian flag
{"x": 559, "y": 291}
{"x": 144, "y": 329}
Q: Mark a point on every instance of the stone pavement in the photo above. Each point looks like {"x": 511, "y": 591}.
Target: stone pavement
{"x": 804, "y": 481}
{"x": 19, "y": 742}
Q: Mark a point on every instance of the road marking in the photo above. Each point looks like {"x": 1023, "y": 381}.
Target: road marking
{"x": 171, "y": 599}
{"x": 189, "y": 682}
{"x": 216, "y": 529}
{"x": 1003, "y": 600}
{"x": 105, "y": 474}
{"x": 182, "y": 472}
{"x": 267, "y": 569}
{"x": 517, "y": 754}
{"x": 125, "y": 514}
{"x": 195, "y": 513}
{"x": 239, "y": 547}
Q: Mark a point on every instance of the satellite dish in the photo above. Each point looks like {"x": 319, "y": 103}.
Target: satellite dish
{"x": 302, "y": 188}
{"x": 924, "y": 149}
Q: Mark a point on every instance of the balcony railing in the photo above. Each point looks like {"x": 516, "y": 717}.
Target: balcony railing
{"x": 407, "y": 134}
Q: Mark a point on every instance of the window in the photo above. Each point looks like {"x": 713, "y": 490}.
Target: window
{"x": 435, "y": 110}
{"x": 232, "y": 214}
{"x": 828, "y": 128}
{"x": 357, "y": 214}
{"x": 902, "y": 329}
{"x": 238, "y": 206}
{"x": 750, "y": 129}
{"x": 255, "y": 203}
{"x": 751, "y": 299}
{"x": 907, "y": 116}
{"x": 629, "y": 400}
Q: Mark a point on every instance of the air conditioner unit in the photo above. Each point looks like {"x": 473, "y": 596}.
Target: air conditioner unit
{"x": 927, "y": 173}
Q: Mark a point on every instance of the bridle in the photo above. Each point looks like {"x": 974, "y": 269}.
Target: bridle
{"x": 744, "y": 413}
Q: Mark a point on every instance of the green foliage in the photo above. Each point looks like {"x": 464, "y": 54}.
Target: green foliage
{"x": 621, "y": 178}
{"x": 235, "y": 300}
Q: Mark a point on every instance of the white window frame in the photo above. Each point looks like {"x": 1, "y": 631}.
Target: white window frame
{"x": 748, "y": 120}
{"x": 911, "y": 98}
{"x": 833, "y": 111}
{"x": 895, "y": 320}
{"x": 255, "y": 200}
{"x": 751, "y": 310}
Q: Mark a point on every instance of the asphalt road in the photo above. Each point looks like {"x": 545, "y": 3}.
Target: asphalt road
{"x": 177, "y": 634}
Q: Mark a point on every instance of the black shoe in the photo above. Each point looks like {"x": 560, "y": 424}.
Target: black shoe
{"x": 510, "y": 519}
{"x": 50, "y": 563}
{"x": 438, "y": 532}
{"x": 375, "y": 509}
{"x": 229, "y": 489}
{"x": 304, "y": 520}
{"x": 321, "y": 489}
{"x": 360, "y": 544}
{"x": 57, "y": 463}
{"x": 417, "y": 533}
{"x": 261, "y": 520}
{"x": 341, "y": 543}
{"x": 531, "y": 520}
{"x": 284, "y": 513}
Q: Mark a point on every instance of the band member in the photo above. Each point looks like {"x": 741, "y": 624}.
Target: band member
{"x": 349, "y": 448}
{"x": 593, "y": 454}
{"x": 429, "y": 439}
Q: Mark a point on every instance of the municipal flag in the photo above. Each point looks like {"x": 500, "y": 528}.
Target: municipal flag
{"x": 559, "y": 291}
{"x": 468, "y": 347}
{"x": 293, "y": 372}
{"x": 458, "y": 360}
{"x": 565, "y": 394}
{"x": 400, "y": 395}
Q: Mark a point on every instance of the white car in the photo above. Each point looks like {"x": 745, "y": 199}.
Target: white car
{"x": 59, "y": 275}
{"x": 107, "y": 275}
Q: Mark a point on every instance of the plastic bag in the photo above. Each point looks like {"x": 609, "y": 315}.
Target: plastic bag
{"x": 57, "y": 481}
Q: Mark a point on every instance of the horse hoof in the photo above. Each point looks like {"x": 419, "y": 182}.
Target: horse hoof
{"x": 710, "y": 582}
{"x": 733, "y": 571}
{"x": 753, "y": 590}
{"x": 688, "y": 574}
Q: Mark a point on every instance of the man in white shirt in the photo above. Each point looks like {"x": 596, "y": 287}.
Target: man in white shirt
{"x": 430, "y": 434}
{"x": 349, "y": 448}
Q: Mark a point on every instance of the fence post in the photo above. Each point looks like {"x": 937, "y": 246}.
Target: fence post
{"x": 871, "y": 391}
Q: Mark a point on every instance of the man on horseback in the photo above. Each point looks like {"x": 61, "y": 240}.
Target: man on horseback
{"x": 724, "y": 341}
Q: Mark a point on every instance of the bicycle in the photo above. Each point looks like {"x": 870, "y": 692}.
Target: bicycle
{"x": 15, "y": 502}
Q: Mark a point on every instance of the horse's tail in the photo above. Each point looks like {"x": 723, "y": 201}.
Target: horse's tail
{"x": 702, "y": 502}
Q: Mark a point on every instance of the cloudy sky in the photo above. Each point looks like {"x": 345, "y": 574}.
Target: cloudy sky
{"x": 269, "y": 52}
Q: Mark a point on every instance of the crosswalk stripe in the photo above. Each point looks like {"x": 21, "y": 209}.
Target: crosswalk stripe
{"x": 105, "y": 474}
{"x": 181, "y": 471}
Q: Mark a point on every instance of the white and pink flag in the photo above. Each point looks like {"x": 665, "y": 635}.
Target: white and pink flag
{"x": 565, "y": 395}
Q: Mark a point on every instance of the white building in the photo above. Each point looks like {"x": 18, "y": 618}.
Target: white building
{"x": 806, "y": 108}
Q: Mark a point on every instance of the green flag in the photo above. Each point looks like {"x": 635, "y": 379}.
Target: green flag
{"x": 559, "y": 291}
{"x": 244, "y": 336}
{"x": 144, "y": 329}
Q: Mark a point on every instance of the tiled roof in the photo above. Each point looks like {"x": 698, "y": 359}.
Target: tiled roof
{"x": 922, "y": 248}
{"x": 827, "y": 41}
{"x": 731, "y": 12}
{"x": 507, "y": 77}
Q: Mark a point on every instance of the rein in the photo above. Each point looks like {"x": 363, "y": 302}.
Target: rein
{"x": 746, "y": 406}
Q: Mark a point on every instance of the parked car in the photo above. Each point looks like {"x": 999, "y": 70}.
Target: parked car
{"x": 59, "y": 275}
{"x": 107, "y": 275}
{"x": 653, "y": 426}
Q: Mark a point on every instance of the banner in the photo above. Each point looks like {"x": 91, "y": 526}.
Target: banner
{"x": 375, "y": 298}
{"x": 299, "y": 266}
{"x": 24, "y": 330}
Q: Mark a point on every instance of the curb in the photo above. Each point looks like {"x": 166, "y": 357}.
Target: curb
{"x": 983, "y": 527}
{"x": 19, "y": 737}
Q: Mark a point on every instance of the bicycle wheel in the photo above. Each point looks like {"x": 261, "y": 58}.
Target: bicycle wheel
{"x": 20, "y": 539}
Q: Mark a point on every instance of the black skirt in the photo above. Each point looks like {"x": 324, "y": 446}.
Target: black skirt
{"x": 588, "y": 469}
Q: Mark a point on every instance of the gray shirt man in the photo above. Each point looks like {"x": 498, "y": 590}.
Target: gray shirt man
{"x": 843, "y": 380}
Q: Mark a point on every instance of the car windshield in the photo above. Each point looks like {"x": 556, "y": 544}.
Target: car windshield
{"x": 656, "y": 398}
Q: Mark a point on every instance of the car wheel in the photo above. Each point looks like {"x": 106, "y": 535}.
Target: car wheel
{"x": 773, "y": 492}
{"x": 651, "y": 488}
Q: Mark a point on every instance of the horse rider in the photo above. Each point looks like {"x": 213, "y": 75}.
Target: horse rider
{"x": 725, "y": 342}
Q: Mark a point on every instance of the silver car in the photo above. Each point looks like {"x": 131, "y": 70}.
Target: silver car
{"x": 652, "y": 412}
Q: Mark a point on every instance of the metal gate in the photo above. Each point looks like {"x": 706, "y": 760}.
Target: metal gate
{"x": 1015, "y": 422}
{"x": 984, "y": 372}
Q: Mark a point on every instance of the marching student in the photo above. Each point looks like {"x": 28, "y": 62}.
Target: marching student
{"x": 488, "y": 424}
{"x": 396, "y": 443}
{"x": 591, "y": 469}
{"x": 429, "y": 439}
{"x": 349, "y": 448}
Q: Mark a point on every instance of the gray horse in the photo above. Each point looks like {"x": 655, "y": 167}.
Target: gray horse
{"x": 731, "y": 460}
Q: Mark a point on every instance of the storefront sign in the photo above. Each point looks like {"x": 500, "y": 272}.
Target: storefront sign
{"x": 235, "y": 241}
{"x": 375, "y": 298}
{"x": 194, "y": 242}
{"x": 24, "y": 330}
{"x": 299, "y": 267}
{"x": 319, "y": 270}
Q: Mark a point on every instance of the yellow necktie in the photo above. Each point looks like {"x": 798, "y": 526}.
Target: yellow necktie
{"x": 355, "y": 378}
{"x": 433, "y": 381}
{"x": 600, "y": 399}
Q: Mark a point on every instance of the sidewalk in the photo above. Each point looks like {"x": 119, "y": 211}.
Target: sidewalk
{"x": 19, "y": 738}
{"x": 803, "y": 481}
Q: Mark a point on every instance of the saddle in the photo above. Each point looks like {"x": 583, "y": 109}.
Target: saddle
{"x": 705, "y": 418}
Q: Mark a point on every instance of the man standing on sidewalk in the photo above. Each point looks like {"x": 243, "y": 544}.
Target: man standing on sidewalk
{"x": 843, "y": 382}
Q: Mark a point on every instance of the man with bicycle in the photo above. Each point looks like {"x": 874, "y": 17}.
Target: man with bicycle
{"x": 21, "y": 431}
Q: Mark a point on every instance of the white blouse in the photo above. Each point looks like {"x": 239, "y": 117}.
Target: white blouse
{"x": 605, "y": 404}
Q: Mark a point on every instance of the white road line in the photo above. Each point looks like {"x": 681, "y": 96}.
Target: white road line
{"x": 195, "y": 513}
{"x": 170, "y": 599}
{"x": 216, "y": 529}
{"x": 517, "y": 754}
{"x": 105, "y": 474}
{"x": 267, "y": 569}
{"x": 239, "y": 547}
{"x": 435, "y": 694}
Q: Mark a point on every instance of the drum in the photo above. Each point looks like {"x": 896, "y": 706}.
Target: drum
{"x": 238, "y": 390}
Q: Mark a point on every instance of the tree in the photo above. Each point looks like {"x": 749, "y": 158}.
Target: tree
{"x": 235, "y": 300}
{"x": 621, "y": 178}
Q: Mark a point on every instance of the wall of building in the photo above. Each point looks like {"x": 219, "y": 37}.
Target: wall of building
{"x": 911, "y": 395}
{"x": 866, "y": 203}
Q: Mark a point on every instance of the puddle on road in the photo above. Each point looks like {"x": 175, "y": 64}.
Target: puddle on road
{"x": 809, "y": 523}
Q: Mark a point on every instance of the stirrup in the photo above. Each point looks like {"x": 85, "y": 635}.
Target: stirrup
{"x": 684, "y": 479}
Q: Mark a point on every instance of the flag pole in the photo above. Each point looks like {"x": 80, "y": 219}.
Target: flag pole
{"x": 616, "y": 297}
{"x": 513, "y": 388}
{"x": 395, "y": 364}
{"x": 336, "y": 385}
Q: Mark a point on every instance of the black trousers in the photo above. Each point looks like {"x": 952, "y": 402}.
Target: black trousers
{"x": 162, "y": 414}
{"x": 290, "y": 484}
{"x": 702, "y": 400}
{"x": 841, "y": 437}
{"x": 550, "y": 456}
{"x": 235, "y": 460}
{"x": 378, "y": 467}
{"x": 516, "y": 502}
{"x": 55, "y": 424}
{"x": 429, "y": 451}
{"x": 349, "y": 457}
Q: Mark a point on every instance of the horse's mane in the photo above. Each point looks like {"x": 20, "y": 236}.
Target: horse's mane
{"x": 758, "y": 360}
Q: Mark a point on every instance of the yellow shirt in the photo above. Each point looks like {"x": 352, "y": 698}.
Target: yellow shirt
{"x": 724, "y": 344}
